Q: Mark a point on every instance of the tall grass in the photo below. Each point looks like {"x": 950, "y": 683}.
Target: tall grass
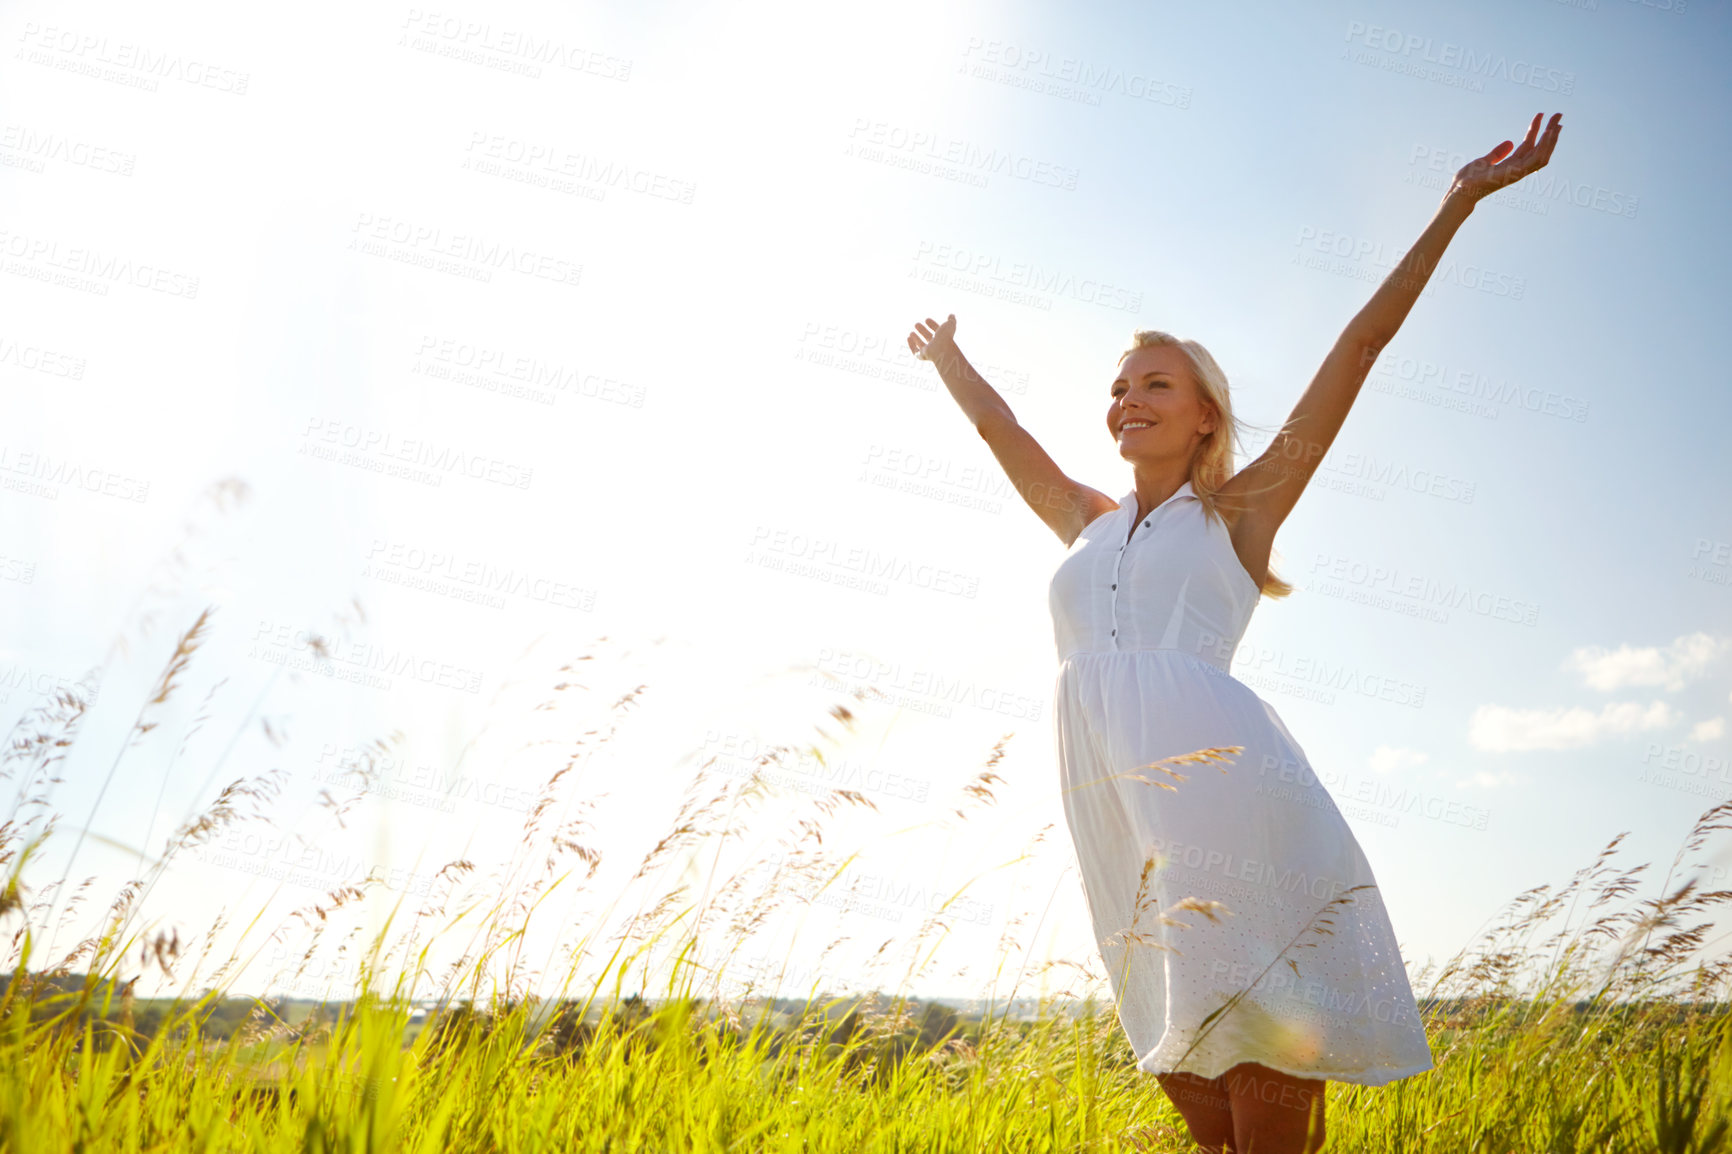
{"x": 1590, "y": 1017}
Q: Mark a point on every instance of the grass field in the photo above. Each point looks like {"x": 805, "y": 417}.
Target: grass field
{"x": 1592, "y": 1016}
{"x": 1511, "y": 1076}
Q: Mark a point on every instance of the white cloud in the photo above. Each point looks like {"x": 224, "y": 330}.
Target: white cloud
{"x": 1500, "y": 729}
{"x": 1387, "y": 757}
{"x": 1711, "y": 730}
{"x": 1673, "y": 666}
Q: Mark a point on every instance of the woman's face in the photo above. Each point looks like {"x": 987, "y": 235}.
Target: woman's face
{"x": 1156, "y": 396}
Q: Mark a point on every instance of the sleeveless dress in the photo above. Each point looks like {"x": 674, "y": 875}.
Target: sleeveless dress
{"x": 1146, "y": 631}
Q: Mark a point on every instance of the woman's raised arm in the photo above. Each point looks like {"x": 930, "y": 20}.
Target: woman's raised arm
{"x": 1064, "y": 505}
{"x": 1265, "y": 491}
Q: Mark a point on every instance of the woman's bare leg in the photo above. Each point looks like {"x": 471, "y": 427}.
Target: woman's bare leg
{"x": 1206, "y": 1108}
{"x": 1272, "y": 1111}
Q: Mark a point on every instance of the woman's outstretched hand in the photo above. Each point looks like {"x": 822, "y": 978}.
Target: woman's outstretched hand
{"x": 931, "y": 340}
{"x": 1501, "y": 166}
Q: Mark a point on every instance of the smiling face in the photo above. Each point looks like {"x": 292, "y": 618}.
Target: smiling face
{"x": 1158, "y": 411}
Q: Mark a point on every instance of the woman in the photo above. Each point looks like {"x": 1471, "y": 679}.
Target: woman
{"x": 1250, "y": 954}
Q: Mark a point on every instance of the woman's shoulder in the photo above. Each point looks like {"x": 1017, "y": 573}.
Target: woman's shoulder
{"x": 1096, "y": 507}
{"x": 1220, "y": 509}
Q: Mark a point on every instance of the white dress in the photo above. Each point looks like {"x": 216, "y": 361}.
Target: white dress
{"x": 1146, "y": 633}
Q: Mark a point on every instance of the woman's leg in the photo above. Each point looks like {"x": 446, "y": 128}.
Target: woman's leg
{"x": 1272, "y": 1111}
{"x": 1206, "y": 1108}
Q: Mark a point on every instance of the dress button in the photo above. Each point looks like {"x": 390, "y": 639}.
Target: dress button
{"x": 1115, "y": 585}
{"x": 1145, "y": 524}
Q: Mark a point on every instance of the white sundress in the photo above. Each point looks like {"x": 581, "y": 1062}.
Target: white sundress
{"x": 1146, "y": 632}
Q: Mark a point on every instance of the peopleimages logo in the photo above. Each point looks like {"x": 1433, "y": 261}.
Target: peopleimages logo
{"x": 951, "y": 689}
{"x": 37, "y": 359}
{"x": 1367, "y": 259}
{"x": 1414, "y": 49}
{"x": 54, "y": 471}
{"x": 810, "y": 555}
{"x": 281, "y": 643}
{"x": 373, "y": 447}
{"x": 1345, "y": 576}
{"x": 880, "y": 140}
{"x": 1026, "y": 275}
{"x": 39, "y": 147}
{"x": 92, "y": 54}
{"x": 482, "y": 42}
{"x": 1070, "y": 77}
{"x": 470, "y": 253}
{"x": 39, "y": 254}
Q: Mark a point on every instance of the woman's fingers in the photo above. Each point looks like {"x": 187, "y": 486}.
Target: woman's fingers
{"x": 919, "y": 340}
{"x": 1549, "y": 142}
{"x": 926, "y": 332}
{"x": 1508, "y": 163}
{"x": 1536, "y": 155}
{"x": 1532, "y": 136}
{"x": 1535, "y": 148}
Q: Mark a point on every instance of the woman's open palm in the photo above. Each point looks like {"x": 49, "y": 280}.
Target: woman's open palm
{"x": 1508, "y": 163}
{"x": 929, "y": 338}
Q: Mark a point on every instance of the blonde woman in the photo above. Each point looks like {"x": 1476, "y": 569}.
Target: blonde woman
{"x": 1249, "y": 950}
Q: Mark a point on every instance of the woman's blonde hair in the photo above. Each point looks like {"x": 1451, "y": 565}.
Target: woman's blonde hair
{"x": 1212, "y": 467}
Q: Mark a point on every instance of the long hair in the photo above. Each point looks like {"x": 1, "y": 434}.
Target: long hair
{"x": 1212, "y": 466}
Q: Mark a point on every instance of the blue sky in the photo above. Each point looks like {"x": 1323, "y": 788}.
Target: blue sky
{"x": 525, "y": 326}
